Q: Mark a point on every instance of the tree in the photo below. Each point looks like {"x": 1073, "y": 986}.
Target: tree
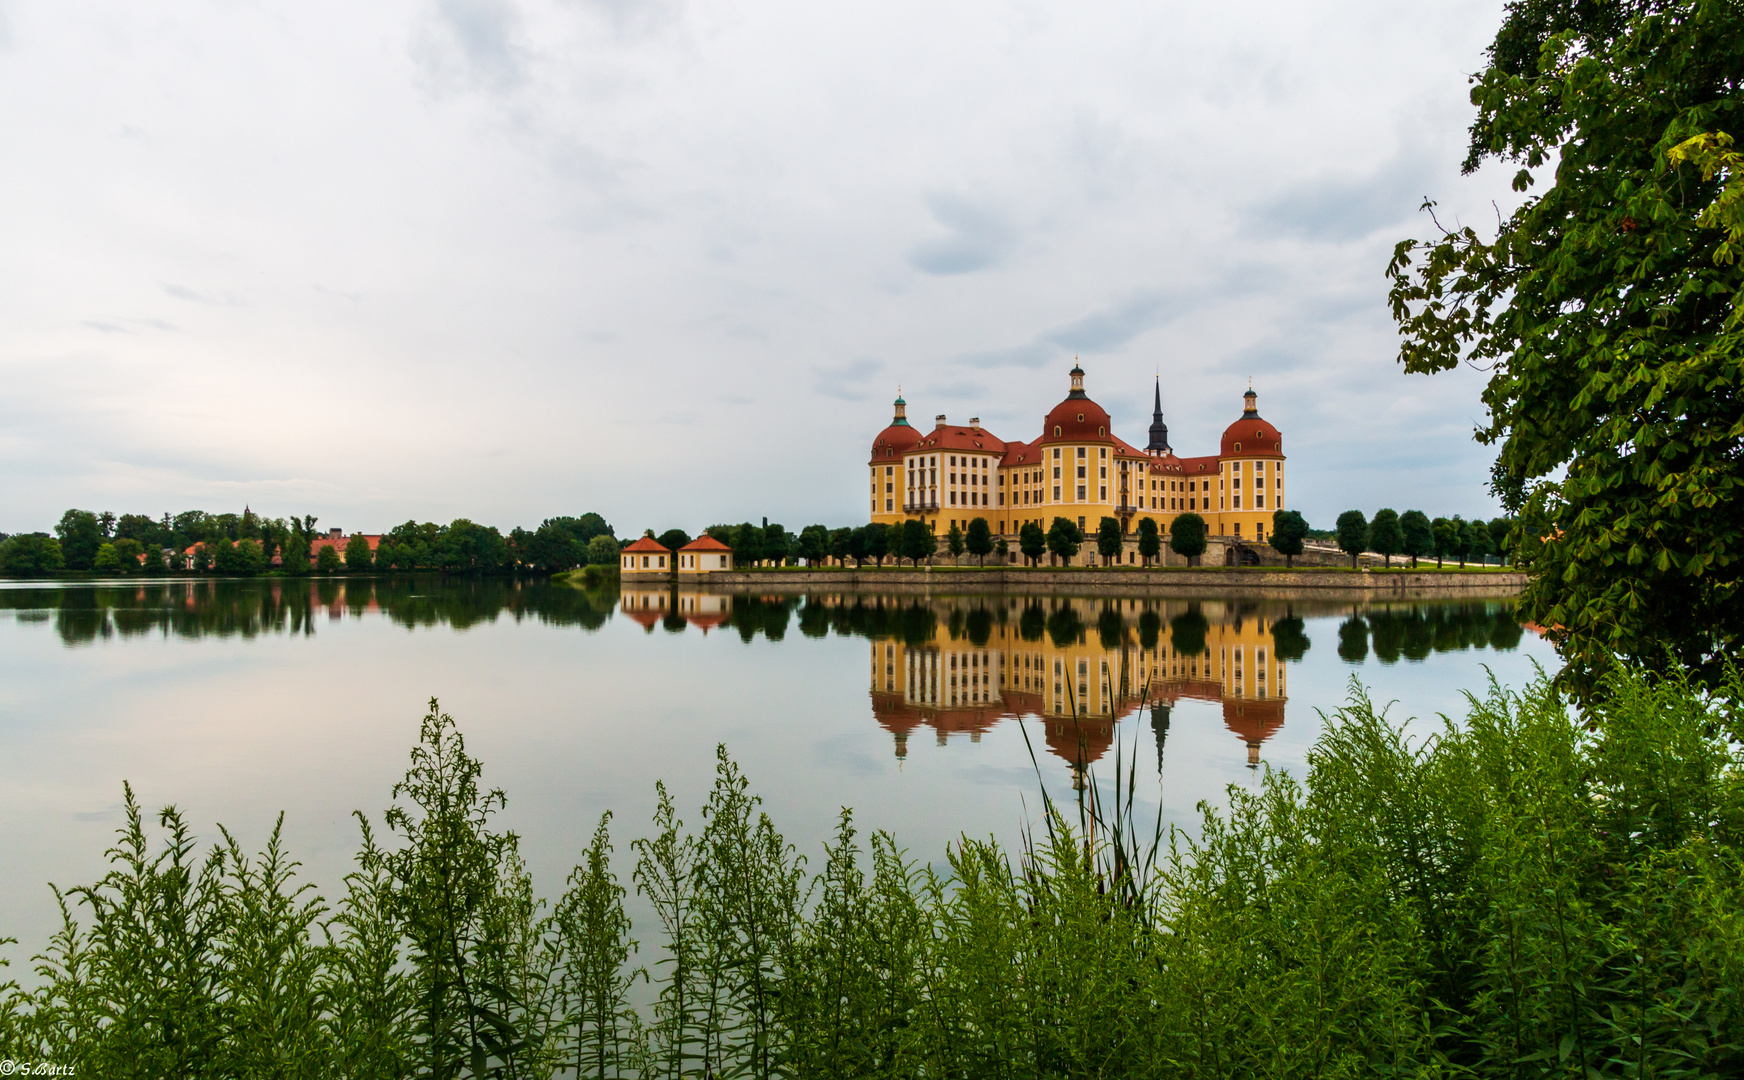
{"x": 127, "y": 552}
{"x": 954, "y": 542}
{"x": 1187, "y": 537}
{"x": 1289, "y": 529}
{"x": 1002, "y": 548}
{"x": 106, "y": 559}
{"x": 327, "y": 561}
{"x": 879, "y": 541}
{"x": 857, "y": 541}
{"x": 813, "y": 544}
{"x": 979, "y": 539}
{"x": 1109, "y": 539}
{"x": 841, "y": 541}
{"x": 917, "y": 542}
{"x": 1150, "y": 540}
{"x": 250, "y": 557}
{"x": 1477, "y": 540}
{"x": 1064, "y": 539}
{"x": 1352, "y": 531}
{"x": 1032, "y": 541}
{"x": 1386, "y": 536}
{"x": 1607, "y": 311}
{"x": 747, "y": 545}
{"x": 1500, "y": 529}
{"x": 1443, "y": 530}
{"x": 81, "y": 536}
{"x": 358, "y": 556}
{"x": 775, "y": 543}
{"x": 603, "y": 550}
{"x": 30, "y": 554}
{"x": 673, "y": 539}
{"x": 1459, "y": 539}
{"x": 1416, "y": 535}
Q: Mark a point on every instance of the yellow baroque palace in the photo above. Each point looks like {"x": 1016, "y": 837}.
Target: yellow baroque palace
{"x": 1077, "y": 468}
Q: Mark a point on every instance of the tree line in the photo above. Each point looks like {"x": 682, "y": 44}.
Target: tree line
{"x": 1414, "y": 535}
{"x": 248, "y": 543}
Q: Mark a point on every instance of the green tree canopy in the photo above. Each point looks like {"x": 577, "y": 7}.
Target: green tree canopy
{"x": 954, "y": 542}
{"x": 127, "y": 552}
{"x": 1109, "y": 539}
{"x": 106, "y": 559}
{"x": 1150, "y": 540}
{"x": 1606, "y": 309}
{"x": 1445, "y": 538}
{"x": 1187, "y": 537}
{"x": 1386, "y": 536}
{"x": 326, "y": 561}
{"x": 603, "y": 550}
{"x": 673, "y": 539}
{"x": 358, "y": 556}
{"x": 879, "y": 541}
{"x": 1289, "y": 529}
{"x": 1477, "y": 539}
{"x": 81, "y": 535}
{"x": 917, "y": 542}
{"x": 1352, "y": 531}
{"x": 1064, "y": 538}
{"x": 979, "y": 539}
{"x": 747, "y": 545}
{"x": 1032, "y": 541}
{"x": 814, "y": 544}
{"x": 1416, "y": 535}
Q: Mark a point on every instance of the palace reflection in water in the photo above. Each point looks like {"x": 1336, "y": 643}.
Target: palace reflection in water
{"x": 957, "y": 665}
{"x": 1081, "y": 666}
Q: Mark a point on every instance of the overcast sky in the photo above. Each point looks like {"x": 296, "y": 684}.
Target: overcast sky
{"x": 670, "y": 260}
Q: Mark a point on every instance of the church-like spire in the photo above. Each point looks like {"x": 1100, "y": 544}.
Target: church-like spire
{"x": 1159, "y": 443}
{"x": 1077, "y": 390}
{"x": 901, "y": 418}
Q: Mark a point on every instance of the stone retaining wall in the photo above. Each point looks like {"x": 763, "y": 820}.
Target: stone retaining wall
{"x": 1247, "y": 581}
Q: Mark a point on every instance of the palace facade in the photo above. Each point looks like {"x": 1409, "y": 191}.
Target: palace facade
{"x": 1077, "y": 468}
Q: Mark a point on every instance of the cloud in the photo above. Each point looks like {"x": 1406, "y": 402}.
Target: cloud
{"x": 182, "y": 292}
{"x": 979, "y": 238}
{"x": 846, "y": 382}
{"x": 484, "y": 32}
{"x": 1341, "y": 208}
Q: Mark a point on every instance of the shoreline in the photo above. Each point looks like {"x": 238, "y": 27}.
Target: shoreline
{"x": 1257, "y": 582}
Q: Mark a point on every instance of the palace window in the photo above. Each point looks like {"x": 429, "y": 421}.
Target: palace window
{"x": 1080, "y": 492}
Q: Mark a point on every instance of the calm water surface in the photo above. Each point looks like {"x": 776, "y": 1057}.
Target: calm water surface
{"x": 236, "y": 700}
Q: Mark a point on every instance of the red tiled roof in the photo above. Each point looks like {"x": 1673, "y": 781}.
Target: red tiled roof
{"x": 1079, "y": 420}
{"x": 647, "y": 544}
{"x": 951, "y": 437}
{"x": 705, "y": 542}
{"x": 1256, "y": 437}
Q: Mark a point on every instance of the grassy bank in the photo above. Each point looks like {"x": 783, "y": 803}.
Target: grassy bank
{"x": 1524, "y": 893}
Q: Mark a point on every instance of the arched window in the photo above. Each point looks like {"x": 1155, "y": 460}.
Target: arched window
{"x": 1056, "y": 431}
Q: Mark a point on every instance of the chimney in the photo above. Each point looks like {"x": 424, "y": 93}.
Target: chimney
{"x": 975, "y": 422}
{"x": 940, "y": 420}
{"x": 336, "y": 533}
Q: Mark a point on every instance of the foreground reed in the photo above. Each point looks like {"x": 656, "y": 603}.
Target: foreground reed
{"x": 1525, "y": 893}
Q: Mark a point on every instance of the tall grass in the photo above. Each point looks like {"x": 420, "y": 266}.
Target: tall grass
{"x": 1523, "y": 893}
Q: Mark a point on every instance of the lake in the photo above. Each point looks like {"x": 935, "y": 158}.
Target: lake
{"x": 236, "y": 700}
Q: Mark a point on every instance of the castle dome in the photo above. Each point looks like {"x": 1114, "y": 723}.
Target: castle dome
{"x": 898, "y": 438}
{"x": 1076, "y": 419}
{"x": 1251, "y": 436}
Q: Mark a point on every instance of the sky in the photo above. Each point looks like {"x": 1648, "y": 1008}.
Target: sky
{"x": 670, "y": 260}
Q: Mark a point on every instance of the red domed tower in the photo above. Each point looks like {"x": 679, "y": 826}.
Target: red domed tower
{"x": 887, "y": 451}
{"x": 1251, "y": 480}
